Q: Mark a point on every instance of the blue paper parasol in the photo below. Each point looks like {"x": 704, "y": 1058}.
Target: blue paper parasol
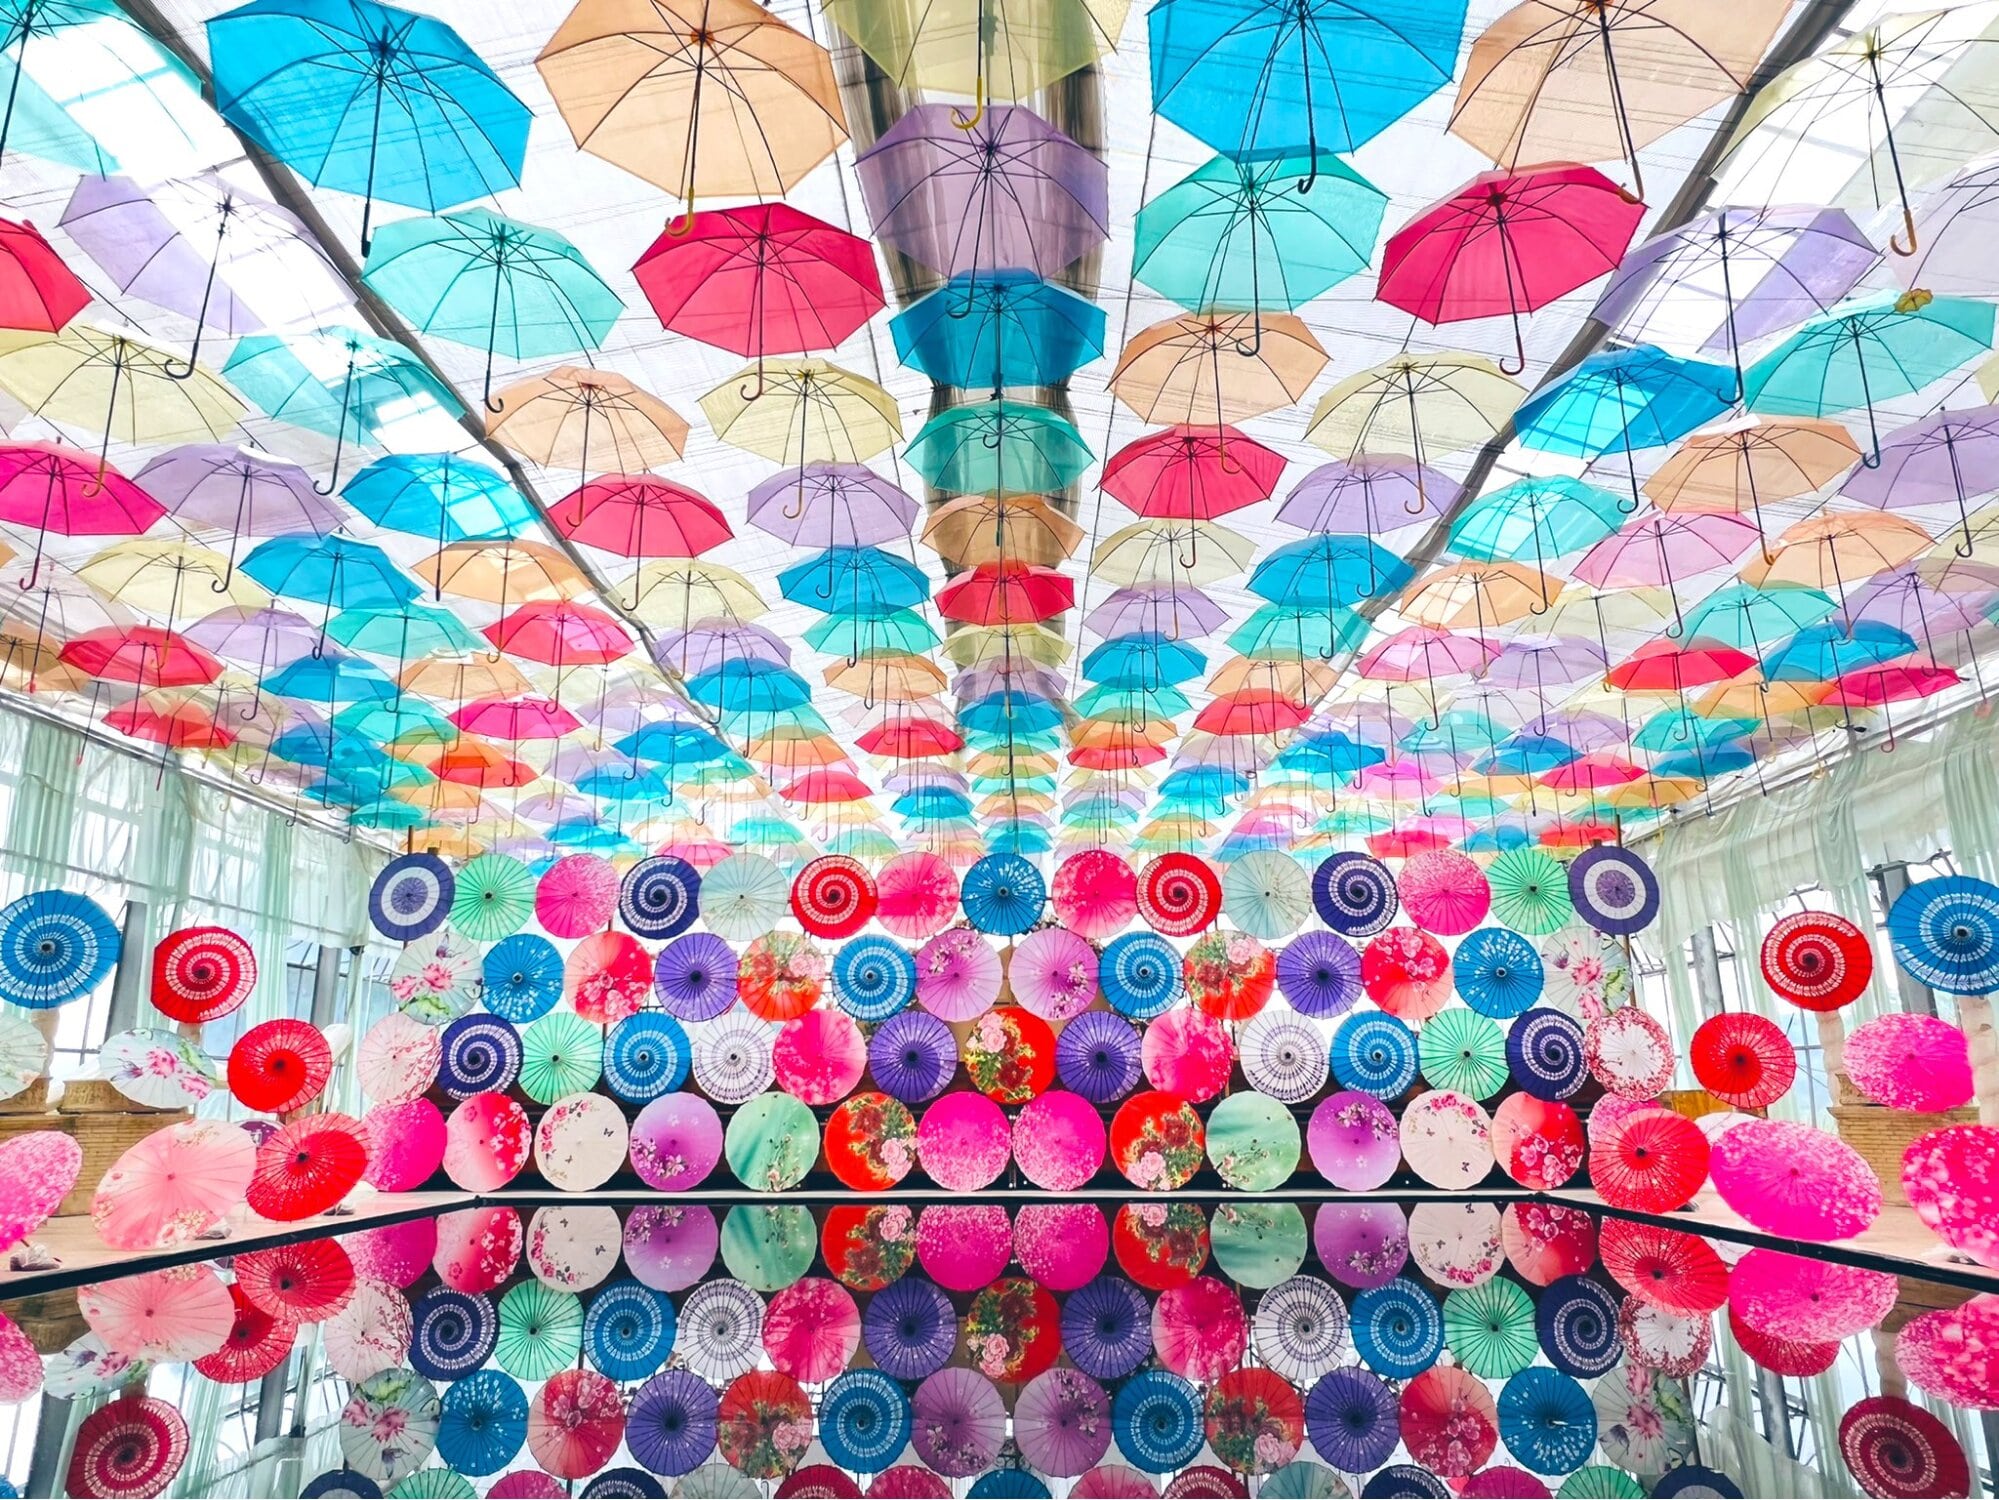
{"x": 1946, "y": 933}
{"x": 1140, "y": 974}
{"x": 1613, "y": 890}
{"x": 1107, "y": 1328}
{"x": 1405, "y": 1482}
{"x": 629, "y": 1330}
{"x": 1576, "y": 1322}
{"x": 479, "y": 1055}
{"x": 482, "y": 1423}
{"x": 671, "y": 1425}
{"x": 864, "y": 1420}
{"x": 873, "y": 978}
{"x": 1398, "y": 1329}
{"x": 1351, "y": 1418}
{"x": 1497, "y": 971}
{"x": 453, "y": 1333}
{"x": 1099, "y": 1056}
{"x": 913, "y": 1056}
{"x": 1355, "y": 894}
{"x": 411, "y": 897}
{"x": 1007, "y": 1484}
{"x": 341, "y": 1484}
{"x": 624, "y": 1483}
{"x": 1544, "y": 1053}
{"x": 1546, "y": 1421}
{"x": 646, "y": 1055}
{"x": 1319, "y": 973}
{"x": 1696, "y": 1480}
{"x": 1003, "y": 893}
{"x": 909, "y": 1328}
{"x": 660, "y": 897}
{"x": 523, "y": 976}
{"x": 695, "y": 976}
{"x": 1156, "y": 1418}
{"x": 54, "y": 946}
{"x": 1375, "y": 1053}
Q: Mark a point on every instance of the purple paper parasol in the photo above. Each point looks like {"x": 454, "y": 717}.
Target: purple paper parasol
{"x": 1351, "y": 1418}
{"x": 676, "y": 1141}
{"x": 669, "y": 1247}
{"x": 913, "y": 1056}
{"x": 1319, "y": 973}
{"x": 1363, "y": 1245}
{"x": 960, "y": 1422}
{"x": 1098, "y": 1056}
{"x": 695, "y": 976}
{"x": 1061, "y": 1420}
{"x": 1107, "y": 1328}
{"x": 1353, "y": 1141}
{"x": 909, "y": 1328}
{"x": 671, "y": 1425}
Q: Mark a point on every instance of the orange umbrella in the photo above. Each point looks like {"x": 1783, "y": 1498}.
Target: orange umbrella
{"x": 1736, "y": 472}
{"x": 1210, "y": 368}
{"x": 503, "y": 573}
{"x": 572, "y": 416}
{"x": 979, "y": 529}
{"x": 477, "y": 763}
{"x": 888, "y": 678}
{"x": 1476, "y": 596}
{"x": 1831, "y": 552}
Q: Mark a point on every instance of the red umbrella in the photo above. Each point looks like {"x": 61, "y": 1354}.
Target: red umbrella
{"x": 1784, "y": 1356}
{"x": 1661, "y": 667}
{"x": 1650, "y": 1159}
{"x": 128, "y": 1450}
{"x": 560, "y": 633}
{"x": 38, "y": 293}
{"x": 1449, "y": 1420}
{"x": 57, "y": 489}
{"x": 257, "y": 1344}
{"x": 822, "y": 787}
{"x": 472, "y": 762}
{"x": 181, "y": 723}
{"x": 763, "y": 1424}
{"x": 820, "y": 1482}
{"x": 202, "y": 974}
{"x": 1258, "y": 711}
{"x": 833, "y": 896}
{"x": 1507, "y": 243}
{"x": 1901, "y": 1452}
{"x": 575, "y": 1423}
{"x": 1817, "y": 960}
{"x": 516, "y": 719}
{"x": 304, "y": 1282}
{"x": 1192, "y": 473}
{"x": 307, "y": 1167}
{"x": 639, "y": 515}
{"x": 1668, "y": 1268}
{"x": 1006, "y": 593}
{"x": 279, "y": 1066}
{"x": 1743, "y": 1059}
{"x": 910, "y": 737}
{"x": 142, "y": 654}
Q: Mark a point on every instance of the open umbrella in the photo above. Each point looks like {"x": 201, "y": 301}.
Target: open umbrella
{"x": 1821, "y": 961}
{"x": 131, "y": 1448}
{"x": 54, "y": 947}
{"x": 1397, "y": 1328}
{"x": 307, "y": 1167}
{"x": 1795, "y": 1180}
{"x": 1650, "y": 1159}
{"x": 1911, "y": 1062}
{"x": 575, "y": 1423}
{"x": 1743, "y": 1059}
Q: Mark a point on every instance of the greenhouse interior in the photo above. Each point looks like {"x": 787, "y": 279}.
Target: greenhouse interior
{"x": 1297, "y": 797}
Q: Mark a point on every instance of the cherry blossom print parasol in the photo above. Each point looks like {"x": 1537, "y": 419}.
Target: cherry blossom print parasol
{"x": 1800, "y": 1297}
{"x": 37, "y": 1171}
{"x": 1951, "y": 1177}
{"x": 1912, "y": 1062}
{"x": 1444, "y": 892}
{"x": 1095, "y": 893}
{"x": 177, "y": 1183}
{"x": 1795, "y": 1180}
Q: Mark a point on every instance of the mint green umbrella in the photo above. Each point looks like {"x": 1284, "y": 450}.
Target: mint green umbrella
{"x": 561, "y": 1054}
{"x": 495, "y": 895}
{"x": 1463, "y": 1051}
{"x": 999, "y": 447}
{"x": 1258, "y": 1244}
{"x": 768, "y": 1248}
{"x": 1253, "y": 1140}
{"x": 541, "y": 1331}
{"x": 772, "y": 1142}
{"x": 1490, "y": 1328}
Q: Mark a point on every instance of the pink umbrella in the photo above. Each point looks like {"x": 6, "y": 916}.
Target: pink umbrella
{"x": 1114, "y": 1482}
{"x": 907, "y": 1482}
{"x": 528, "y": 1484}
{"x": 370, "y": 1334}
{"x": 916, "y": 895}
{"x": 1059, "y": 1141}
{"x": 1629, "y": 1053}
{"x": 676, "y": 1141}
{"x": 1362, "y": 1244}
{"x": 1053, "y": 973}
{"x": 607, "y": 977}
{"x": 1406, "y": 972}
{"x": 1920, "y": 1063}
{"x": 395, "y": 1253}
{"x": 958, "y": 975}
{"x": 1444, "y": 892}
{"x": 406, "y": 1145}
{"x": 478, "y": 1248}
{"x": 175, "y": 1184}
{"x": 963, "y": 1245}
{"x": 1095, "y": 893}
{"x": 1062, "y": 1422}
{"x": 181, "y": 1313}
{"x": 576, "y": 895}
{"x": 37, "y": 1171}
{"x": 1664, "y": 1341}
{"x": 1794, "y": 1180}
{"x": 1800, "y": 1297}
{"x": 819, "y": 1056}
{"x": 1062, "y": 1245}
{"x": 963, "y": 1141}
{"x": 1353, "y": 1141}
{"x": 811, "y": 1329}
{"x": 1953, "y": 1354}
{"x": 487, "y": 1140}
{"x": 20, "y": 1364}
{"x": 1951, "y": 1177}
{"x": 1187, "y": 1053}
{"x": 670, "y": 1246}
{"x": 1200, "y": 1329}
{"x": 959, "y": 1422}
{"x": 1504, "y": 1482}
{"x": 398, "y": 1058}
{"x": 1545, "y": 1241}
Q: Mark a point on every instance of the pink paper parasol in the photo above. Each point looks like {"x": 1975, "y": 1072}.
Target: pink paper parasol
{"x": 1449, "y": 1420}
{"x": 1795, "y": 1180}
{"x": 1062, "y": 1245}
{"x": 576, "y": 895}
{"x": 962, "y": 1246}
{"x": 1953, "y": 1354}
{"x": 960, "y": 1422}
{"x": 1444, "y": 892}
{"x": 676, "y": 1142}
{"x": 1199, "y": 1329}
{"x": 37, "y": 1171}
{"x": 1113, "y": 1482}
{"x": 20, "y": 1365}
{"x": 575, "y": 1423}
{"x": 1406, "y": 972}
{"x": 908, "y": 1482}
{"x": 811, "y": 1329}
{"x": 1059, "y": 1141}
{"x": 671, "y": 1246}
{"x": 181, "y": 1313}
{"x": 1053, "y": 973}
{"x": 1537, "y": 1142}
{"x": 958, "y": 975}
{"x": 607, "y": 977}
{"x": 1354, "y": 1141}
{"x": 1629, "y": 1053}
{"x": 173, "y": 1185}
{"x": 1062, "y": 1422}
{"x": 478, "y": 1248}
{"x": 398, "y": 1058}
{"x": 963, "y": 1141}
{"x": 395, "y": 1253}
{"x": 1187, "y": 1053}
{"x": 819, "y": 1056}
{"x": 1095, "y": 893}
{"x": 1545, "y": 1241}
{"x": 1920, "y": 1063}
{"x": 917, "y": 895}
{"x": 487, "y": 1140}
{"x": 1951, "y": 1177}
{"x": 1800, "y": 1297}
{"x": 407, "y": 1142}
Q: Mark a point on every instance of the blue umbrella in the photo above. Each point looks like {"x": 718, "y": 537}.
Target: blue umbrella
{"x": 482, "y": 1423}
{"x": 873, "y": 978}
{"x": 932, "y": 802}
{"x": 480, "y": 1055}
{"x": 854, "y": 581}
{"x": 1375, "y": 1053}
{"x": 1614, "y": 890}
{"x": 1398, "y": 1329}
{"x": 909, "y": 1328}
{"x": 993, "y": 329}
{"x": 440, "y": 496}
{"x": 646, "y": 1055}
{"x": 1544, "y": 1053}
{"x": 1010, "y": 714}
{"x": 333, "y": 571}
{"x": 1107, "y": 1328}
{"x": 1007, "y": 1484}
{"x": 1497, "y": 971}
{"x": 624, "y": 1483}
{"x": 452, "y": 1333}
{"x": 329, "y": 748}
{"x": 340, "y": 1484}
{"x": 1140, "y": 973}
{"x": 1696, "y": 1480}
{"x": 1329, "y": 571}
{"x": 1527, "y": 755}
{"x": 674, "y": 742}
{"x": 1945, "y": 933}
{"x": 750, "y": 686}
{"x": 370, "y": 99}
{"x": 1623, "y": 401}
{"x": 1576, "y": 1320}
{"x": 629, "y": 1330}
{"x": 1704, "y": 762}
{"x": 1820, "y": 653}
{"x": 330, "y": 679}
{"x": 1260, "y": 78}
{"x": 1547, "y": 1421}
{"x": 54, "y": 946}
{"x": 1355, "y": 893}
{"x": 1003, "y": 893}
{"x": 660, "y": 897}
{"x": 1405, "y": 1482}
{"x": 864, "y": 1420}
{"x": 1351, "y": 1417}
{"x": 411, "y": 897}
{"x": 523, "y": 977}
{"x": 1156, "y": 1418}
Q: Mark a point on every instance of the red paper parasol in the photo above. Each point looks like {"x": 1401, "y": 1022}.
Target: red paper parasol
{"x": 868, "y": 1248}
{"x": 1406, "y": 972}
{"x": 1898, "y": 1451}
{"x": 1010, "y": 1054}
{"x": 279, "y": 1066}
{"x": 871, "y": 1142}
{"x": 1920, "y": 1063}
{"x": 1444, "y": 892}
{"x": 1160, "y": 1245}
{"x": 818, "y": 1482}
{"x": 478, "y": 1248}
{"x": 1668, "y": 1268}
{"x": 908, "y": 1482}
{"x": 811, "y": 1329}
{"x": 1652, "y": 1160}
{"x": 1013, "y": 1331}
{"x": 763, "y": 1424}
{"x": 202, "y": 974}
{"x": 1157, "y": 1141}
{"x": 1539, "y": 1143}
{"x": 1743, "y": 1059}
{"x": 486, "y": 1142}
{"x": 1795, "y": 1180}
{"x": 1095, "y": 893}
{"x": 1629, "y": 1053}
{"x": 1179, "y": 894}
{"x": 575, "y": 1423}
{"x": 307, "y": 1167}
{"x": 1803, "y": 1297}
{"x": 304, "y": 1282}
{"x": 833, "y": 896}
{"x": 1817, "y": 960}
{"x": 1255, "y": 1421}
{"x": 1951, "y": 1177}
{"x": 1230, "y": 975}
{"x": 257, "y": 1344}
{"x": 1782, "y": 1356}
{"x": 607, "y": 977}
{"x": 1449, "y": 1420}
{"x": 128, "y": 1450}
{"x": 780, "y": 975}
{"x": 1546, "y": 1241}
{"x": 1200, "y": 1329}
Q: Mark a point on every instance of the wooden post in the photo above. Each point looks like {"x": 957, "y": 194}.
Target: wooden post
{"x": 1974, "y": 1014}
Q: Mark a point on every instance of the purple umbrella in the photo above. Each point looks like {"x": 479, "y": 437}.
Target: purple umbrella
{"x": 695, "y": 976}
{"x": 705, "y": 648}
{"x": 913, "y": 1056}
{"x": 1662, "y": 551}
{"x": 1353, "y": 1141}
{"x": 909, "y": 1328}
{"x": 260, "y": 639}
{"x": 1907, "y": 601}
{"x": 1061, "y": 1421}
{"x": 1011, "y": 191}
{"x": 1941, "y": 460}
{"x": 984, "y": 682}
{"x": 1363, "y": 1245}
{"x": 826, "y": 505}
{"x": 671, "y": 1246}
{"x": 676, "y": 1141}
{"x": 1369, "y": 495}
{"x": 1098, "y": 1056}
{"x": 1107, "y": 1328}
{"x": 671, "y": 1425}
{"x": 1551, "y": 661}
{"x": 1173, "y": 610}
{"x": 221, "y": 487}
{"x": 1319, "y": 973}
{"x": 1351, "y": 1418}
{"x": 960, "y": 1422}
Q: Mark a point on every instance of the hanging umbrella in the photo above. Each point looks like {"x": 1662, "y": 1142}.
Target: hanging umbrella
{"x": 1172, "y": 371}
{"x": 432, "y": 979}
{"x": 743, "y": 896}
{"x": 202, "y": 974}
{"x": 864, "y": 1420}
{"x": 575, "y": 1423}
{"x": 1498, "y": 972}
{"x": 1284, "y": 1057}
{"x": 1911, "y": 1062}
{"x": 1677, "y": 1272}
{"x": 801, "y": 411}
{"x": 486, "y": 1142}
{"x": 1795, "y": 1180}
{"x": 1350, "y": 1416}
{"x": 1355, "y": 894}
{"x": 130, "y": 1448}
{"x": 1613, "y": 890}
{"x": 257, "y": 1344}
{"x": 1319, "y": 974}
{"x": 494, "y": 896}
{"x": 1624, "y": 400}
{"x": 1449, "y": 1421}
{"x": 1576, "y": 1323}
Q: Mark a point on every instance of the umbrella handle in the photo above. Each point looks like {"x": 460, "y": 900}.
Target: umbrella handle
{"x": 1519, "y": 362}
{"x": 1909, "y": 227}
{"x": 682, "y": 225}
{"x": 978, "y": 112}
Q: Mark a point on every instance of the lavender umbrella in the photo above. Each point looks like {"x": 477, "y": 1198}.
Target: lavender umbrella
{"x": 669, "y": 1247}
{"x": 219, "y": 486}
{"x": 675, "y": 1142}
{"x": 1351, "y": 1418}
{"x": 960, "y": 1422}
{"x": 1940, "y": 460}
{"x": 1354, "y": 1141}
{"x": 1907, "y": 601}
{"x": 1319, "y": 973}
{"x": 1107, "y": 1328}
{"x": 1178, "y": 612}
{"x": 1364, "y": 1245}
{"x": 1368, "y": 494}
{"x": 670, "y": 1427}
{"x": 706, "y": 648}
{"x": 1098, "y": 1056}
{"x": 695, "y": 976}
{"x": 260, "y": 639}
{"x": 1553, "y": 661}
{"x": 909, "y": 1328}
{"x": 913, "y": 1056}
{"x": 824, "y": 505}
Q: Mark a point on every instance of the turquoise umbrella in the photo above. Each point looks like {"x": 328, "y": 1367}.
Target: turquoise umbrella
{"x": 1750, "y": 618}
{"x": 394, "y": 719}
{"x": 335, "y": 572}
{"x": 1329, "y": 571}
{"x": 854, "y": 581}
{"x": 1868, "y": 350}
{"x": 49, "y": 132}
{"x": 1144, "y": 661}
{"x": 1624, "y": 401}
{"x": 476, "y": 278}
{"x": 1264, "y": 235}
{"x": 406, "y": 633}
{"x": 1540, "y": 518}
{"x": 1677, "y": 729}
{"x": 1287, "y": 632}
{"x": 999, "y": 447}
{"x": 439, "y": 495}
{"x": 999, "y": 328}
{"x": 1132, "y": 704}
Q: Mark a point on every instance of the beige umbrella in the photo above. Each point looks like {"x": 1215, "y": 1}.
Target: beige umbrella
{"x": 979, "y": 529}
{"x": 801, "y": 411}
{"x": 1737, "y": 471}
{"x": 1479, "y": 595}
{"x": 121, "y": 388}
{"x": 1205, "y": 368}
{"x": 573, "y": 417}
{"x": 675, "y": 593}
{"x": 1424, "y": 405}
